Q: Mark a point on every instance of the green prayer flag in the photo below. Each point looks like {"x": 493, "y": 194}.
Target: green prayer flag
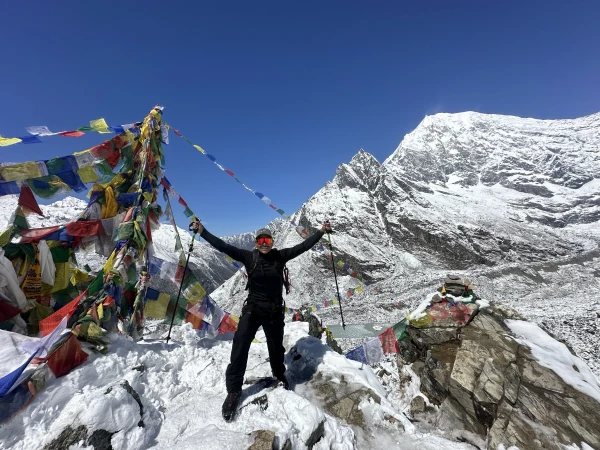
{"x": 125, "y": 231}
{"x": 96, "y": 285}
{"x": 60, "y": 254}
{"x": 400, "y": 330}
{"x": 188, "y": 212}
{"x": 55, "y": 165}
{"x": 179, "y": 313}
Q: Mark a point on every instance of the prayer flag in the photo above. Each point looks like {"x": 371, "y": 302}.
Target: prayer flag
{"x": 74, "y": 133}
{"x": 49, "y": 324}
{"x": 39, "y": 131}
{"x": 30, "y": 140}
{"x": 358, "y": 354}
{"x": 100, "y": 126}
{"x": 4, "y": 142}
{"x": 27, "y": 200}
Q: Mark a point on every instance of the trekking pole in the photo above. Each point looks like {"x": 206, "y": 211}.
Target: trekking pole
{"x": 335, "y": 276}
{"x": 181, "y": 284}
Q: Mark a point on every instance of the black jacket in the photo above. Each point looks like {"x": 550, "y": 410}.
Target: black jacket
{"x": 266, "y": 281}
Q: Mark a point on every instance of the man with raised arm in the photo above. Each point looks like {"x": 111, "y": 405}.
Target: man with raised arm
{"x": 263, "y": 307}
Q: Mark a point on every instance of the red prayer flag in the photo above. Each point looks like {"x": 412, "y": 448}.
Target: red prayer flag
{"x": 66, "y": 357}
{"x": 227, "y": 325}
{"x": 103, "y": 151}
{"x": 182, "y": 202}
{"x": 273, "y": 206}
{"x": 148, "y": 229}
{"x": 72, "y": 133}
{"x": 229, "y": 172}
{"x": 176, "y": 132}
{"x": 35, "y": 234}
{"x": 7, "y": 311}
{"x": 85, "y": 228}
{"x": 113, "y": 159}
{"x": 389, "y": 344}
{"x": 48, "y": 324}
{"x": 27, "y": 200}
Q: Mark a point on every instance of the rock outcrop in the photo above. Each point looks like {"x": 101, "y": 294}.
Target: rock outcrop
{"x": 485, "y": 381}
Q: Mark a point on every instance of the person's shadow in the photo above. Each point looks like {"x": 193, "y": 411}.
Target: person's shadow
{"x": 303, "y": 360}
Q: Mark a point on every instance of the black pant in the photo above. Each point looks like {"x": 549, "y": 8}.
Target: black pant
{"x": 249, "y": 323}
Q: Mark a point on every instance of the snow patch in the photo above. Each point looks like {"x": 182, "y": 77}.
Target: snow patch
{"x": 555, "y": 356}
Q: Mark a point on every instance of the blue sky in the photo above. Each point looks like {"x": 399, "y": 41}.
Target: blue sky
{"x": 282, "y": 92}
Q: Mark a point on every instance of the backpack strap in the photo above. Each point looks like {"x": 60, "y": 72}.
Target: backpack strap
{"x": 278, "y": 266}
{"x": 255, "y": 257}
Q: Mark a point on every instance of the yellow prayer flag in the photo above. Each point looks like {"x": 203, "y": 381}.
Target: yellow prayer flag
{"x": 157, "y": 309}
{"x": 20, "y": 172}
{"x": 340, "y": 263}
{"x": 100, "y": 125}
{"x": 61, "y": 277}
{"x": 314, "y": 308}
{"x": 79, "y": 276}
{"x": 194, "y": 293}
{"x": 359, "y": 289}
{"x": 4, "y": 142}
{"x": 109, "y": 263}
{"x": 130, "y": 136}
{"x": 100, "y": 311}
{"x": 5, "y": 237}
{"x": 200, "y": 149}
{"x": 88, "y": 174}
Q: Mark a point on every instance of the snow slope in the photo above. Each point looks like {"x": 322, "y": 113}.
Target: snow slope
{"x": 182, "y": 386}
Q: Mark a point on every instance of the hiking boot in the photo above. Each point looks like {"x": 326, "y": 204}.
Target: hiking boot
{"x": 230, "y": 405}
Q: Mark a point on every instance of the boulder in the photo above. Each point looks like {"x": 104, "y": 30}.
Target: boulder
{"x": 486, "y": 383}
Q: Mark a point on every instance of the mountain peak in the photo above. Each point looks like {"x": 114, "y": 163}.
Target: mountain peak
{"x": 519, "y": 153}
{"x": 361, "y": 172}
{"x": 364, "y": 159}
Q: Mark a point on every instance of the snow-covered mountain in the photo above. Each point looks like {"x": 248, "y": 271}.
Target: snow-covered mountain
{"x": 513, "y": 204}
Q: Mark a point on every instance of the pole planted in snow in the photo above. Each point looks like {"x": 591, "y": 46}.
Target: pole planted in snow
{"x": 187, "y": 261}
{"x": 335, "y": 277}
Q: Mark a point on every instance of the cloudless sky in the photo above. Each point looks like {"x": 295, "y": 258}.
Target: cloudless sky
{"x": 282, "y": 92}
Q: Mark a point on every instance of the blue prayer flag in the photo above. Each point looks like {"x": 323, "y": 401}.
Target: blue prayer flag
{"x": 9, "y": 187}
{"x": 358, "y": 354}
{"x": 7, "y": 381}
{"x": 72, "y": 180}
{"x": 30, "y": 140}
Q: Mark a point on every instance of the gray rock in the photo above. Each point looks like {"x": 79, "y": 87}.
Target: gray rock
{"x": 316, "y": 435}
{"x": 417, "y": 405}
{"x": 69, "y": 436}
{"x": 490, "y": 386}
{"x": 264, "y": 440}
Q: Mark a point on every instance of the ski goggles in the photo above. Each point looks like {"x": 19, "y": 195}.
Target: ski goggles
{"x": 264, "y": 240}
